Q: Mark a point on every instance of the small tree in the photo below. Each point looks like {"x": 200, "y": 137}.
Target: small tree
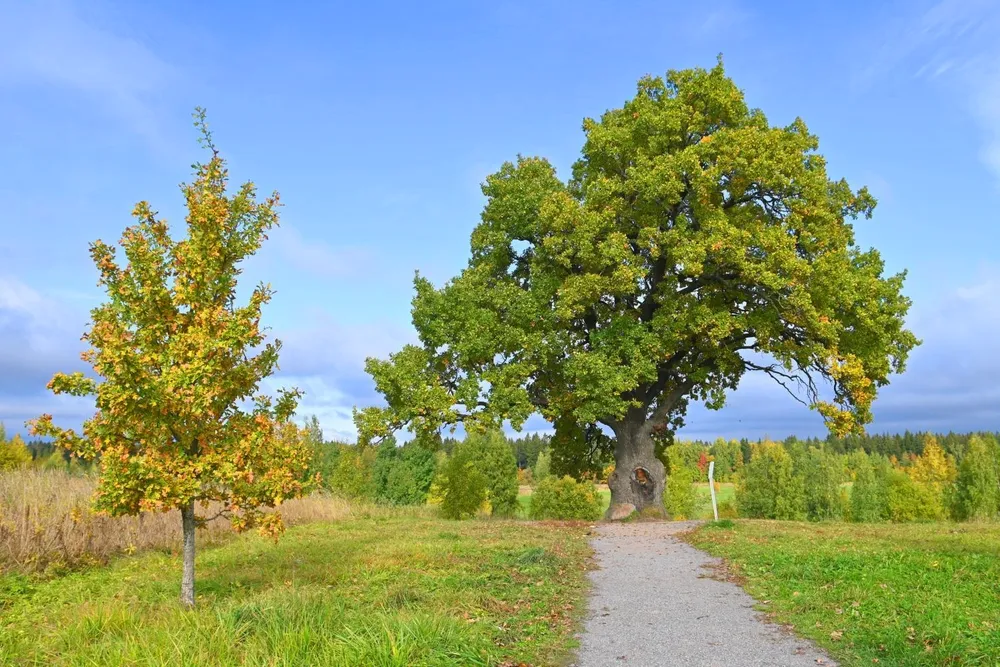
{"x": 179, "y": 418}
{"x": 768, "y": 488}
{"x": 462, "y": 486}
{"x": 977, "y": 489}
{"x": 493, "y": 458}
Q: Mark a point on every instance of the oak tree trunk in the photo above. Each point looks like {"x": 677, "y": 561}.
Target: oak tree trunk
{"x": 187, "y": 579}
{"x": 639, "y": 477}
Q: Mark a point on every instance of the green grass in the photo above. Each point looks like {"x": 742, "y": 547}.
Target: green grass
{"x": 386, "y": 589}
{"x": 910, "y": 594}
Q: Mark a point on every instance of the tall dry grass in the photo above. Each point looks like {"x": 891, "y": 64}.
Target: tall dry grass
{"x": 46, "y": 522}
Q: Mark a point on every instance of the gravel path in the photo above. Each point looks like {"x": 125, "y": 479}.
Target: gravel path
{"x": 654, "y": 604}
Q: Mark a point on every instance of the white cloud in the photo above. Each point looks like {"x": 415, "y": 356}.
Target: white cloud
{"x": 319, "y": 257}
{"x": 52, "y": 42}
{"x": 953, "y": 44}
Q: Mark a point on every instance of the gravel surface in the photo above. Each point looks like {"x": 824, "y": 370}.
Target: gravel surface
{"x": 655, "y": 604}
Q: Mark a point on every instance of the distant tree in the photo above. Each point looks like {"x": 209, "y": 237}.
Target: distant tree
{"x": 693, "y": 241}
{"x": 493, "y": 458}
{"x": 977, "y": 488}
{"x": 703, "y": 461}
{"x": 908, "y": 500}
{"x": 542, "y": 466}
{"x": 768, "y": 488}
{"x": 353, "y": 471}
{"x": 821, "y": 474}
{"x": 403, "y": 475}
{"x": 728, "y": 458}
{"x": 13, "y": 452}
{"x": 934, "y": 472}
{"x": 180, "y": 420}
{"x": 869, "y": 502}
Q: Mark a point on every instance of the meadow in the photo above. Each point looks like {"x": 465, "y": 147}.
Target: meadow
{"x": 349, "y": 583}
{"x": 894, "y": 594}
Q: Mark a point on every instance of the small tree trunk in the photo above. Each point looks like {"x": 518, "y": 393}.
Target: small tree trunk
{"x": 639, "y": 478}
{"x": 187, "y": 579}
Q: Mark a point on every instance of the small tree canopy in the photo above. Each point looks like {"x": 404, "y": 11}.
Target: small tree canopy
{"x": 179, "y": 418}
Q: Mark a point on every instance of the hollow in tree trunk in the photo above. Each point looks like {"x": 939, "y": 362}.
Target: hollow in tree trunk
{"x": 638, "y": 480}
{"x": 187, "y": 579}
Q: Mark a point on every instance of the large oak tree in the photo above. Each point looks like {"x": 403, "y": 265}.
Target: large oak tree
{"x": 693, "y": 243}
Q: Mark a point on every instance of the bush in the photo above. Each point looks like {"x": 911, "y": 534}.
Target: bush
{"x": 462, "y": 487}
{"x": 402, "y": 475}
{"x": 681, "y": 496}
{"x": 977, "y": 489}
{"x": 768, "y": 487}
{"x": 727, "y": 510}
{"x": 565, "y": 498}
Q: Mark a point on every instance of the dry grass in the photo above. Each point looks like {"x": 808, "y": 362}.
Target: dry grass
{"x": 46, "y": 522}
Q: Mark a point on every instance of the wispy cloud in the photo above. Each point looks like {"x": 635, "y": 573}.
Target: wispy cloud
{"x": 52, "y": 42}
{"x": 953, "y": 43}
{"x": 318, "y": 257}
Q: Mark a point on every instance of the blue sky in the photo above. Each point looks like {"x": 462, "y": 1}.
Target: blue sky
{"x": 378, "y": 121}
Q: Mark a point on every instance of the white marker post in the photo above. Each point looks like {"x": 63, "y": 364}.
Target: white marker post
{"x": 711, "y": 487}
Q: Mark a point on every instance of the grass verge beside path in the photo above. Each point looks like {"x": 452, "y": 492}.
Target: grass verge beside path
{"x": 386, "y": 589}
{"x": 910, "y": 594}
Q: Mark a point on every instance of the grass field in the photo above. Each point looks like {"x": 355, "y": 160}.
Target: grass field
{"x": 910, "y": 594}
{"x": 383, "y": 588}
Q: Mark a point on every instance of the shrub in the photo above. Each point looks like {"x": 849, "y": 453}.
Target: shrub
{"x": 565, "y": 498}
{"x": 524, "y": 477}
{"x": 463, "y": 488}
{"x": 768, "y": 487}
{"x": 977, "y": 489}
{"x": 681, "y": 496}
{"x": 727, "y": 510}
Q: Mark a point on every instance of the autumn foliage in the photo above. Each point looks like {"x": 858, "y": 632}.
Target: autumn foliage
{"x": 180, "y": 419}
